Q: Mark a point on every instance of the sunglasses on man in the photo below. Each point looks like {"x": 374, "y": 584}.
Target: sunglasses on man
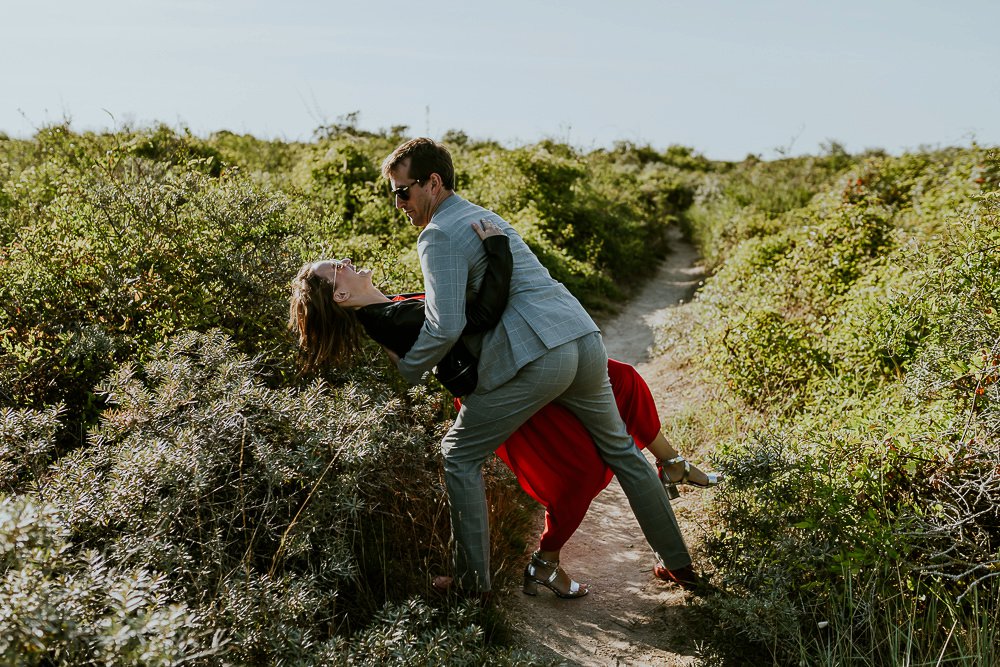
{"x": 403, "y": 191}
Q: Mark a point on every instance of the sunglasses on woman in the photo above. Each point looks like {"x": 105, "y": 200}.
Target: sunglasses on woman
{"x": 337, "y": 263}
{"x": 403, "y": 191}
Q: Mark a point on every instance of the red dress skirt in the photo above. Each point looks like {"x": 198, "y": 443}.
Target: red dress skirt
{"x": 555, "y": 459}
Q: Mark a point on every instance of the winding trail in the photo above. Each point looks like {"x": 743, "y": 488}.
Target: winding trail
{"x": 629, "y": 618}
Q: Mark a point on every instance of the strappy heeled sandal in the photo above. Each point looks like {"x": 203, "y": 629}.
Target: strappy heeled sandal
{"x": 531, "y": 579}
{"x": 671, "y": 487}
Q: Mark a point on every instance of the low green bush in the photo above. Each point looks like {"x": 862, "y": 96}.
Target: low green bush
{"x": 859, "y": 342}
{"x": 106, "y": 259}
{"x": 63, "y": 606}
{"x": 27, "y": 442}
{"x": 269, "y": 517}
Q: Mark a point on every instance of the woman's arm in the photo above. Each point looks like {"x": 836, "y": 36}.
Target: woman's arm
{"x": 484, "y": 308}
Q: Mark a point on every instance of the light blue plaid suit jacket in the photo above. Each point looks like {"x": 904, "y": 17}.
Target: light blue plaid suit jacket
{"x": 541, "y": 313}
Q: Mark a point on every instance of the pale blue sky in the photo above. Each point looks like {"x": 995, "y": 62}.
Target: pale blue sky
{"x": 724, "y": 77}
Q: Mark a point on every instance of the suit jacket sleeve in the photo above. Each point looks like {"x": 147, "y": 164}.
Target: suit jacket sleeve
{"x": 446, "y": 274}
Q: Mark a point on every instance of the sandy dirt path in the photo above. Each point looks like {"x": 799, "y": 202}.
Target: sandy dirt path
{"x": 629, "y": 618}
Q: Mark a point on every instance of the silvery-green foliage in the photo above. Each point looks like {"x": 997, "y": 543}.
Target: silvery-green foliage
{"x": 412, "y": 633}
{"x": 197, "y": 430}
{"x": 63, "y": 606}
{"x": 27, "y": 438}
{"x": 253, "y": 500}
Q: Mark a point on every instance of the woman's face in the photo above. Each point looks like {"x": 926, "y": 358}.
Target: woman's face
{"x": 343, "y": 276}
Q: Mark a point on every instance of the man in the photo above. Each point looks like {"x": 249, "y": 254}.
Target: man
{"x": 545, "y": 348}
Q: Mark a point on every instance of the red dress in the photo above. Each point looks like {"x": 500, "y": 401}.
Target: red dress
{"x": 557, "y": 463}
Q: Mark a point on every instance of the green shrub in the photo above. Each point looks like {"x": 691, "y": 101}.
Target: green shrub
{"x": 107, "y": 259}
{"x": 859, "y": 520}
{"x": 765, "y": 356}
{"x": 791, "y": 288}
{"x": 414, "y": 633}
{"x": 273, "y": 513}
{"x": 27, "y": 443}
{"x": 62, "y": 606}
{"x": 344, "y": 177}
{"x": 596, "y": 221}
{"x": 268, "y": 161}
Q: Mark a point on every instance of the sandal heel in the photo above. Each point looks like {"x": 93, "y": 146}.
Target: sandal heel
{"x": 530, "y": 586}
{"x": 673, "y": 493}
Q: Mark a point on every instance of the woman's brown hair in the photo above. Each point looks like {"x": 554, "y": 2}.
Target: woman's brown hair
{"x": 328, "y": 335}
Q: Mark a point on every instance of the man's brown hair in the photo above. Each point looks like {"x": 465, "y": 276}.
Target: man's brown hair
{"x": 426, "y": 157}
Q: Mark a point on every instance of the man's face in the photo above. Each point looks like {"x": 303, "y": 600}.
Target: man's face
{"x": 417, "y": 201}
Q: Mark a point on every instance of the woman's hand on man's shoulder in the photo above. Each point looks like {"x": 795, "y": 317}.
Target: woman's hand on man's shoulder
{"x": 486, "y": 228}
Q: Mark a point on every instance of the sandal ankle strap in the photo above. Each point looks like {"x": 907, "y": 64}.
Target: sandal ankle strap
{"x": 677, "y": 459}
{"x": 538, "y": 560}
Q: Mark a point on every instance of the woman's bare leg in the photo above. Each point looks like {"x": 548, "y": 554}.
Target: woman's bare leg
{"x": 664, "y": 451}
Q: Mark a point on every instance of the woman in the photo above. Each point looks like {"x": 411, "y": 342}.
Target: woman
{"x": 551, "y": 454}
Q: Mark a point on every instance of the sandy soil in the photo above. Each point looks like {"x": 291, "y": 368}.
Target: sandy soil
{"x": 629, "y": 618}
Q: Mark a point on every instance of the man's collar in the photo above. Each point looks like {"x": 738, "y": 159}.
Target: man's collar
{"x": 449, "y": 201}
